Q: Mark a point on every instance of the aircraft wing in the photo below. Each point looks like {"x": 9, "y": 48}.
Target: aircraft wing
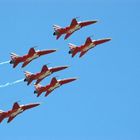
{"x": 39, "y": 94}
{"x": 31, "y": 51}
{"x": 68, "y": 35}
{"x": 26, "y": 63}
{"x": 58, "y": 36}
{"x": 44, "y": 68}
{"x": 10, "y": 119}
{"x": 47, "y": 93}
{"x": 82, "y": 53}
{"x": 53, "y": 81}
{"x": 15, "y": 64}
{"x": 73, "y": 22}
{"x": 39, "y": 80}
{"x": 15, "y": 106}
{"x": 88, "y": 41}
{"x": 29, "y": 82}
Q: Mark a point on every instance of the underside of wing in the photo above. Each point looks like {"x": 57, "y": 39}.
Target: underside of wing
{"x": 15, "y": 106}
{"x": 25, "y": 63}
{"x": 44, "y": 68}
{"x": 38, "y": 81}
{"x": 31, "y": 51}
{"x": 73, "y": 22}
{"x": 10, "y": 119}
{"x": 82, "y": 53}
{"x": 68, "y": 35}
{"x": 88, "y": 41}
{"x": 53, "y": 81}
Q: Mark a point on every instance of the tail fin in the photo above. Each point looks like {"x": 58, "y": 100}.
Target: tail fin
{"x": 56, "y": 27}
{"x": 2, "y": 116}
{"x": 38, "y": 86}
{"x": 13, "y": 59}
{"x": 1, "y": 111}
{"x": 13, "y": 56}
{"x": 27, "y": 74}
{"x": 38, "y": 89}
{"x": 72, "y": 46}
{"x": 73, "y": 49}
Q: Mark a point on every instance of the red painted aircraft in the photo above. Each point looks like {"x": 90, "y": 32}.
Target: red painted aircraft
{"x": 16, "y": 110}
{"x": 50, "y": 87}
{"x": 85, "y": 47}
{"x": 74, "y": 26}
{"x": 41, "y": 75}
{"x": 26, "y": 59}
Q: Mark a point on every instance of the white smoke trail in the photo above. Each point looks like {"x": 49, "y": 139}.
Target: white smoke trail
{"x": 12, "y": 83}
{"x": 6, "y": 62}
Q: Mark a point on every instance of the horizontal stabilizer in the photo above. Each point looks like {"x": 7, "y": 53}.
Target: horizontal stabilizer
{"x": 27, "y": 73}
{"x": 13, "y": 55}
{"x": 56, "y": 27}
{"x": 71, "y": 46}
{"x": 16, "y": 106}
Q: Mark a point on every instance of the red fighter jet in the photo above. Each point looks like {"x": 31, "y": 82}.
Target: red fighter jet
{"x": 74, "y": 26}
{"x": 26, "y": 59}
{"x": 50, "y": 87}
{"x": 86, "y": 47}
{"x": 17, "y": 109}
{"x": 41, "y": 75}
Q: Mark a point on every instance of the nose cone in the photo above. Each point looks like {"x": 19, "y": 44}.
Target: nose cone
{"x": 50, "y": 51}
{"x": 65, "y": 81}
{"x": 71, "y": 79}
{"x": 29, "y": 106}
{"x": 93, "y": 21}
{"x": 108, "y": 39}
{"x": 53, "y": 50}
{"x": 64, "y": 67}
{"x": 58, "y": 68}
{"x": 33, "y": 105}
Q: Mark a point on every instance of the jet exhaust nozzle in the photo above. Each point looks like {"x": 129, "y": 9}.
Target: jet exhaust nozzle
{"x": 35, "y": 92}
{"x": 11, "y": 62}
{"x": 25, "y": 80}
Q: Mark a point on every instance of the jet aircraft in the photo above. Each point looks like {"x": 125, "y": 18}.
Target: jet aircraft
{"x": 74, "y": 26}
{"x": 45, "y": 71}
{"x": 89, "y": 44}
{"x": 16, "y": 110}
{"x": 50, "y": 87}
{"x": 26, "y": 59}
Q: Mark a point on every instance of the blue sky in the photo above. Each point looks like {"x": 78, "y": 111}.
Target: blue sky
{"x": 104, "y": 103}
